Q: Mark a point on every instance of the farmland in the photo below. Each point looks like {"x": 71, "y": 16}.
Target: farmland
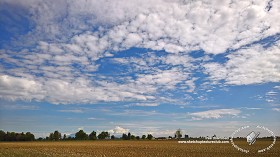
{"x": 130, "y": 148}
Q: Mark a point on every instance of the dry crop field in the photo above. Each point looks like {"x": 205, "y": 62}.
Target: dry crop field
{"x": 131, "y": 148}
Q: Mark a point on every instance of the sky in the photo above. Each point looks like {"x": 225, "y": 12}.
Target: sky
{"x": 149, "y": 66}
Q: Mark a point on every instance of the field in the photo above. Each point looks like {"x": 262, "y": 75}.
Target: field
{"x": 131, "y": 148}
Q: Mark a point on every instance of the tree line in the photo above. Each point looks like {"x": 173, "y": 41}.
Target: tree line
{"x": 81, "y": 135}
{"x": 133, "y": 137}
{"x": 13, "y": 136}
{"x": 56, "y": 136}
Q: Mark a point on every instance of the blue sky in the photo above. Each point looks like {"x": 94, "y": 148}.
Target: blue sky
{"x": 140, "y": 67}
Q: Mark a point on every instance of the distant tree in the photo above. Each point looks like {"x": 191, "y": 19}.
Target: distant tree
{"x": 2, "y": 135}
{"x": 112, "y": 137}
{"x": 64, "y": 137}
{"x": 150, "y": 136}
{"x": 19, "y": 137}
{"x": 178, "y": 134}
{"x": 170, "y": 137}
{"x": 22, "y": 137}
{"x": 29, "y": 136}
{"x": 124, "y": 136}
{"x": 56, "y": 135}
{"x": 143, "y": 137}
{"x": 81, "y": 135}
{"x": 51, "y": 137}
{"x": 13, "y": 136}
{"x": 40, "y": 139}
{"x": 132, "y": 137}
{"x": 70, "y": 138}
{"x": 137, "y": 137}
{"x": 103, "y": 135}
{"x": 92, "y": 135}
{"x": 129, "y": 136}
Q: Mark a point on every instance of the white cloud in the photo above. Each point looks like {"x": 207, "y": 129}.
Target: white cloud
{"x": 271, "y": 93}
{"x": 72, "y": 111}
{"x": 118, "y": 130}
{"x": 166, "y": 78}
{"x": 248, "y": 66}
{"x": 139, "y": 113}
{"x": 147, "y": 104}
{"x": 276, "y": 109}
{"x": 80, "y": 128}
{"x": 269, "y": 100}
{"x": 63, "y": 66}
{"x": 65, "y": 92}
{"x": 19, "y": 88}
{"x": 251, "y": 108}
{"x": 174, "y": 26}
{"x": 219, "y": 113}
{"x": 19, "y": 107}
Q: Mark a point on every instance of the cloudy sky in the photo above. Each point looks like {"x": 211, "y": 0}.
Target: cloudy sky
{"x": 149, "y": 66}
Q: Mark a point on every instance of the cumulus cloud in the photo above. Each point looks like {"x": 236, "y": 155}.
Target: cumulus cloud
{"x": 118, "y": 130}
{"x": 70, "y": 79}
{"x": 219, "y": 113}
{"x": 248, "y": 66}
{"x": 174, "y": 26}
{"x": 69, "y": 42}
{"x": 19, "y": 88}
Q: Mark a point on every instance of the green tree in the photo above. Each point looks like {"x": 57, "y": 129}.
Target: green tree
{"x": 12, "y": 136}
{"x": 103, "y": 135}
{"x": 178, "y": 134}
{"x": 29, "y": 136}
{"x": 51, "y": 137}
{"x": 56, "y": 135}
{"x": 112, "y": 137}
{"x": 92, "y": 135}
{"x": 129, "y": 136}
{"x": 124, "y": 136}
{"x": 20, "y": 136}
{"x": 137, "y": 137}
{"x": 143, "y": 137}
{"x": 150, "y": 136}
{"x": 132, "y": 137}
{"x": 81, "y": 135}
{"x": 64, "y": 137}
{"x": 2, "y": 135}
